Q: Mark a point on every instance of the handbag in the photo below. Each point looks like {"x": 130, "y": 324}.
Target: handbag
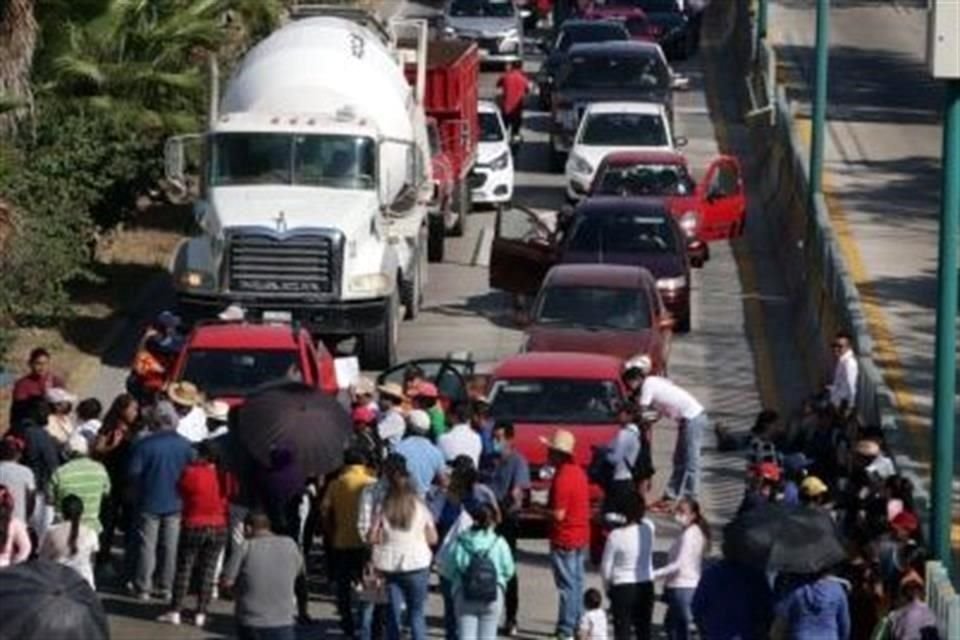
{"x": 372, "y": 587}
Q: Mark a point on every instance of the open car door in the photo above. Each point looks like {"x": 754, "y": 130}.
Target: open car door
{"x": 524, "y": 248}
{"x": 722, "y": 200}
{"x": 448, "y": 374}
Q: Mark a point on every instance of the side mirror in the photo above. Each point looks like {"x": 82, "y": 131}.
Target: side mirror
{"x": 679, "y": 83}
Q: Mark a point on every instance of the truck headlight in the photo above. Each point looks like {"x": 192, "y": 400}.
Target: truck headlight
{"x": 579, "y": 165}
{"x": 370, "y": 283}
{"x": 196, "y": 280}
{"x": 690, "y": 223}
{"x": 672, "y": 284}
{"x": 500, "y": 162}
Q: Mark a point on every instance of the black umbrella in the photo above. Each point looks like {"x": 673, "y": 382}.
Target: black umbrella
{"x": 43, "y": 600}
{"x": 313, "y": 425}
{"x": 777, "y": 538}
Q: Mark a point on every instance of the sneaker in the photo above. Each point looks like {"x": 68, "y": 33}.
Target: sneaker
{"x": 170, "y": 617}
{"x": 199, "y": 619}
{"x": 510, "y": 629}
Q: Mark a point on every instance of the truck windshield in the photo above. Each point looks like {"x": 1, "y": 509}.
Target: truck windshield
{"x": 636, "y": 72}
{"x": 336, "y": 161}
{"x": 223, "y": 373}
{"x": 555, "y": 401}
{"x": 481, "y": 8}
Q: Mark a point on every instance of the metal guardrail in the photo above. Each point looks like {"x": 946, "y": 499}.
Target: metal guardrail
{"x": 943, "y": 600}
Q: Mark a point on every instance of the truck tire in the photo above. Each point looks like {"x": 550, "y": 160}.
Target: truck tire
{"x": 380, "y": 344}
{"x": 436, "y": 234}
{"x": 461, "y": 206}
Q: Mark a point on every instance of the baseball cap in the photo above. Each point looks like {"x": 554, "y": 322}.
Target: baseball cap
{"x": 813, "y": 487}
{"x": 767, "y": 471}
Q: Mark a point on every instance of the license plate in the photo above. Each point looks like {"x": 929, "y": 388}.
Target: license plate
{"x": 540, "y": 496}
{"x": 277, "y": 316}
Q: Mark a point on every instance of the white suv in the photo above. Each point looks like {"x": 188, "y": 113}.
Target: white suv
{"x": 607, "y": 127}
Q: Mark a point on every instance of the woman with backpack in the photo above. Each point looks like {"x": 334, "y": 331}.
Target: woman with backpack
{"x": 479, "y": 565}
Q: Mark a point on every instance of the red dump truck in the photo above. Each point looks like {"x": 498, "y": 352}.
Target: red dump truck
{"x": 450, "y": 101}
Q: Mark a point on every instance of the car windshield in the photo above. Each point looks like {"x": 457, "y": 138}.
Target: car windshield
{"x": 644, "y": 180}
{"x": 554, "y": 401}
{"x": 599, "y": 32}
{"x": 655, "y": 6}
{"x": 594, "y": 308}
{"x": 624, "y": 130}
{"x": 490, "y": 128}
{"x": 629, "y": 72}
{"x": 336, "y": 161}
{"x": 222, "y": 372}
{"x": 602, "y": 234}
{"x": 481, "y": 9}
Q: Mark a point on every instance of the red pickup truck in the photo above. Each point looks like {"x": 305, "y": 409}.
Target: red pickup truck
{"x": 451, "y": 93}
{"x": 229, "y": 360}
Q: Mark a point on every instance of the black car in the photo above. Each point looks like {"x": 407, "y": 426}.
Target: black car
{"x": 605, "y": 72}
{"x": 670, "y": 24}
{"x": 574, "y": 32}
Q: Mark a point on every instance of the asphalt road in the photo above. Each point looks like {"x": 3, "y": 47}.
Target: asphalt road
{"x": 738, "y": 345}
{"x": 882, "y": 170}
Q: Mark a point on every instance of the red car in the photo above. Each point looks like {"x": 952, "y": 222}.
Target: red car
{"x": 229, "y": 360}
{"x": 633, "y": 18}
{"x": 541, "y": 392}
{"x": 713, "y": 209}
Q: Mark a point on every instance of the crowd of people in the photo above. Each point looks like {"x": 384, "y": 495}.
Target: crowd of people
{"x": 431, "y": 489}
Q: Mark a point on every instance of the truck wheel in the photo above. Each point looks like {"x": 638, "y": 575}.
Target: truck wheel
{"x": 380, "y": 344}
{"x": 461, "y": 206}
{"x": 435, "y": 239}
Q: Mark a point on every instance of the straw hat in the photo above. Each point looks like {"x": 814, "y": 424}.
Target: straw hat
{"x": 392, "y": 389}
{"x": 562, "y": 441}
{"x": 184, "y": 394}
{"x": 218, "y": 410}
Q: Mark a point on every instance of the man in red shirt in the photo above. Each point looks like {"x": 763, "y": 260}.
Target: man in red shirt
{"x": 33, "y": 386}
{"x": 569, "y": 513}
{"x": 513, "y": 87}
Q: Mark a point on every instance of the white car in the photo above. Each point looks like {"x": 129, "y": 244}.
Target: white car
{"x": 615, "y": 126}
{"x": 493, "y": 173}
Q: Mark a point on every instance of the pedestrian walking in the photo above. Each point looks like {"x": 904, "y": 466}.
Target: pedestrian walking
{"x": 424, "y": 460}
{"x": 15, "y": 546}
{"x": 513, "y": 86}
{"x": 402, "y": 535}
{"x": 203, "y": 533}
{"x": 627, "y": 571}
{"x": 815, "y": 609}
{"x": 339, "y": 512}
{"x": 392, "y": 424}
{"x": 682, "y": 572}
{"x": 568, "y": 511}
{"x": 33, "y": 386}
{"x": 593, "y": 622}
{"x": 261, "y": 575}
{"x": 679, "y": 405}
{"x": 624, "y": 458}
{"x": 842, "y": 389}
{"x": 479, "y": 564}
{"x": 82, "y": 477}
{"x": 42, "y": 455}
{"x": 509, "y": 479}
{"x": 17, "y": 478}
{"x": 156, "y": 463}
{"x": 71, "y": 542}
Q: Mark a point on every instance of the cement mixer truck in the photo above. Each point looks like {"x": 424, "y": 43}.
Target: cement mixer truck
{"x": 314, "y": 182}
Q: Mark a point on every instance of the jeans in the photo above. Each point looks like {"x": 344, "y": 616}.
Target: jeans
{"x": 568, "y": 577}
{"x": 632, "y": 606}
{"x": 509, "y": 529}
{"x": 407, "y": 588}
{"x": 266, "y": 633}
{"x": 685, "y": 478}
{"x": 153, "y": 530}
{"x": 451, "y": 625}
{"x": 476, "y": 620}
{"x": 679, "y": 614}
{"x": 372, "y": 620}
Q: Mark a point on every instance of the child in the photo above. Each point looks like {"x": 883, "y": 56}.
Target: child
{"x": 89, "y": 412}
{"x": 593, "y": 624}
{"x": 70, "y": 542}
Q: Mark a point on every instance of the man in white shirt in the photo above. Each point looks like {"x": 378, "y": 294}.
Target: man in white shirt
{"x": 843, "y": 388}
{"x": 186, "y": 399}
{"x": 679, "y": 405}
{"x": 461, "y": 440}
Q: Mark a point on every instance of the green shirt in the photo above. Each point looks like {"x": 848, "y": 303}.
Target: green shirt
{"x": 438, "y": 421}
{"x": 88, "y": 480}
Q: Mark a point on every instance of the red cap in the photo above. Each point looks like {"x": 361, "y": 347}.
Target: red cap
{"x": 427, "y": 390}
{"x": 363, "y": 415}
{"x": 905, "y": 521}
{"x": 767, "y": 471}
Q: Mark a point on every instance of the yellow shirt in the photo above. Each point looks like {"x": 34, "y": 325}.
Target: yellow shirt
{"x": 341, "y": 505}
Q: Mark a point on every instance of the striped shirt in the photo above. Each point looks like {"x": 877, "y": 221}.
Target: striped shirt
{"x": 88, "y": 480}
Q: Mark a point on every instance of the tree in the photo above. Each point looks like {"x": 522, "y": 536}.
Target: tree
{"x": 18, "y": 41}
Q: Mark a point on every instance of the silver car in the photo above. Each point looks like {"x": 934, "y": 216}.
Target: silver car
{"x": 495, "y": 25}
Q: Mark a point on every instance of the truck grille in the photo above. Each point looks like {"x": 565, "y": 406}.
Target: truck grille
{"x": 296, "y": 265}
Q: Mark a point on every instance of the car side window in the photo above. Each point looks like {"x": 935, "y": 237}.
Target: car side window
{"x": 725, "y": 181}
{"x": 517, "y": 224}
